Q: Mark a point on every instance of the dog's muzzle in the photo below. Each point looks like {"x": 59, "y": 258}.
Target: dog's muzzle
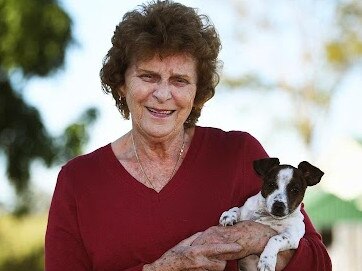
{"x": 279, "y": 209}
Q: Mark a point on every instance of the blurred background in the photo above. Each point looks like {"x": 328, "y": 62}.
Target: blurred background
{"x": 292, "y": 77}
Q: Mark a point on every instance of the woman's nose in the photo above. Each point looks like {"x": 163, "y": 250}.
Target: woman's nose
{"x": 162, "y": 92}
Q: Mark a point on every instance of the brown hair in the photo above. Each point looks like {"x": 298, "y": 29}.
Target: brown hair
{"x": 164, "y": 28}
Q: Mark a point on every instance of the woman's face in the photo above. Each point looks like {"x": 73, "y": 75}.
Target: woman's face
{"x": 160, "y": 93}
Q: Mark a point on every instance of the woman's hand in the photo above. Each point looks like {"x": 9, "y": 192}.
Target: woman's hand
{"x": 189, "y": 256}
{"x": 251, "y": 236}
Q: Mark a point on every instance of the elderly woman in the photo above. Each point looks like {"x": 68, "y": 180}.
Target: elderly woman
{"x": 151, "y": 199}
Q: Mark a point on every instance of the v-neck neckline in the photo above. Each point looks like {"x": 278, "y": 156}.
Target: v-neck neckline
{"x": 122, "y": 175}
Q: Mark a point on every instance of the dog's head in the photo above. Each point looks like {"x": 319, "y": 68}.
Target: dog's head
{"x": 284, "y": 185}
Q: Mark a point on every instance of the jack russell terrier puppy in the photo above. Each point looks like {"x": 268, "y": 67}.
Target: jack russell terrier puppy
{"x": 278, "y": 205}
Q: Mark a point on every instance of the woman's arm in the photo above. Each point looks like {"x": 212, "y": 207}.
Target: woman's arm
{"x": 252, "y": 237}
{"x": 64, "y": 249}
{"x": 185, "y": 256}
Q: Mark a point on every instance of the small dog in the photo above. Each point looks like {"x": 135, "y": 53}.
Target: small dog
{"x": 277, "y": 205}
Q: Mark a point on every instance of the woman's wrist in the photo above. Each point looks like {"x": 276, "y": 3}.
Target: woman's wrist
{"x": 162, "y": 264}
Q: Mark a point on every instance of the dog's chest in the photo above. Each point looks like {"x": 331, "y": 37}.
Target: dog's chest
{"x": 276, "y": 224}
{"x": 261, "y": 216}
{"x": 255, "y": 210}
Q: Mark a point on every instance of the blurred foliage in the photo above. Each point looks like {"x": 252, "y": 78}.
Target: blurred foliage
{"x": 22, "y": 136}
{"x": 34, "y": 37}
{"x": 326, "y": 209}
{"x": 22, "y": 243}
{"x": 335, "y": 51}
{"x": 76, "y": 135}
{"x": 347, "y": 47}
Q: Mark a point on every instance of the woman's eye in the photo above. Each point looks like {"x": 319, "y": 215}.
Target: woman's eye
{"x": 180, "y": 81}
{"x": 147, "y": 77}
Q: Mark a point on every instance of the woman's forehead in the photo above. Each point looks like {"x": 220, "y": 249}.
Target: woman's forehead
{"x": 179, "y": 63}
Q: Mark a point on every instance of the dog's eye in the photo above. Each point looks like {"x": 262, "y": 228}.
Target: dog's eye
{"x": 294, "y": 190}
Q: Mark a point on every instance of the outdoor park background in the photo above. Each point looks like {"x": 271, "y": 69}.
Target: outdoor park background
{"x": 292, "y": 77}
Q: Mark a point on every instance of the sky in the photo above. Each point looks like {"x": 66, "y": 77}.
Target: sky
{"x": 63, "y": 97}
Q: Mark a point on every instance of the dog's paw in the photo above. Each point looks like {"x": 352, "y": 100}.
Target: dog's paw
{"x": 267, "y": 263}
{"x": 229, "y": 218}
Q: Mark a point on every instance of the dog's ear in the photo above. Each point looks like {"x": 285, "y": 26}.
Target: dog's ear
{"x": 263, "y": 166}
{"x": 311, "y": 173}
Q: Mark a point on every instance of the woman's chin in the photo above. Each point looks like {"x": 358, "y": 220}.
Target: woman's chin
{"x": 162, "y": 130}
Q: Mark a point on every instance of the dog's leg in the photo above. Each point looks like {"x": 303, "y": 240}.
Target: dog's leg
{"x": 281, "y": 242}
{"x": 229, "y": 218}
{"x": 236, "y": 214}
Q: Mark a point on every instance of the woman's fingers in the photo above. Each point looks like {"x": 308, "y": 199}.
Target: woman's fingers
{"x": 250, "y": 235}
{"x": 185, "y": 256}
{"x": 213, "y": 250}
{"x": 203, "y": 257}
{"x": 211, "y": 265}
{"x": 188, "y": 241}
{"x": 210, "y": 257}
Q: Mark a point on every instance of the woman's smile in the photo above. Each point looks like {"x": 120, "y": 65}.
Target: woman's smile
{"x": 160, "y": 113}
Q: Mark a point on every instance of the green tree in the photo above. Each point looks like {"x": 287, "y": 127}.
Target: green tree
{"x": 34, "y": 36}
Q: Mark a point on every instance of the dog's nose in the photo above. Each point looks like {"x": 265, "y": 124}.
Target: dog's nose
{"x": 278, "y": 208}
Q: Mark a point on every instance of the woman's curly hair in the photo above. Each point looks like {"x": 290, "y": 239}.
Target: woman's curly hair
{"x": 163, "y": 28}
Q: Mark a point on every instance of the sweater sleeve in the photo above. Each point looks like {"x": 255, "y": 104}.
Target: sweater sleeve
{"x": 64, "y": 249}
{"x": 311, "y": 253}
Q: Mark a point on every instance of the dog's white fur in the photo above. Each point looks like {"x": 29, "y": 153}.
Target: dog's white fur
{"x": 290, "y": 227}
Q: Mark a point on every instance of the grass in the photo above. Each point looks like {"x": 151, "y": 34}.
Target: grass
{"x": 22, "y": 242}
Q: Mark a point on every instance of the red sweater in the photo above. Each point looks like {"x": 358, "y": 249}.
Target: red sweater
{"x": 101, "y": 218}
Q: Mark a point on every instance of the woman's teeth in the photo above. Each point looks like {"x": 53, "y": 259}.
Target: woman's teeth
{"x": 162, "y": 112}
